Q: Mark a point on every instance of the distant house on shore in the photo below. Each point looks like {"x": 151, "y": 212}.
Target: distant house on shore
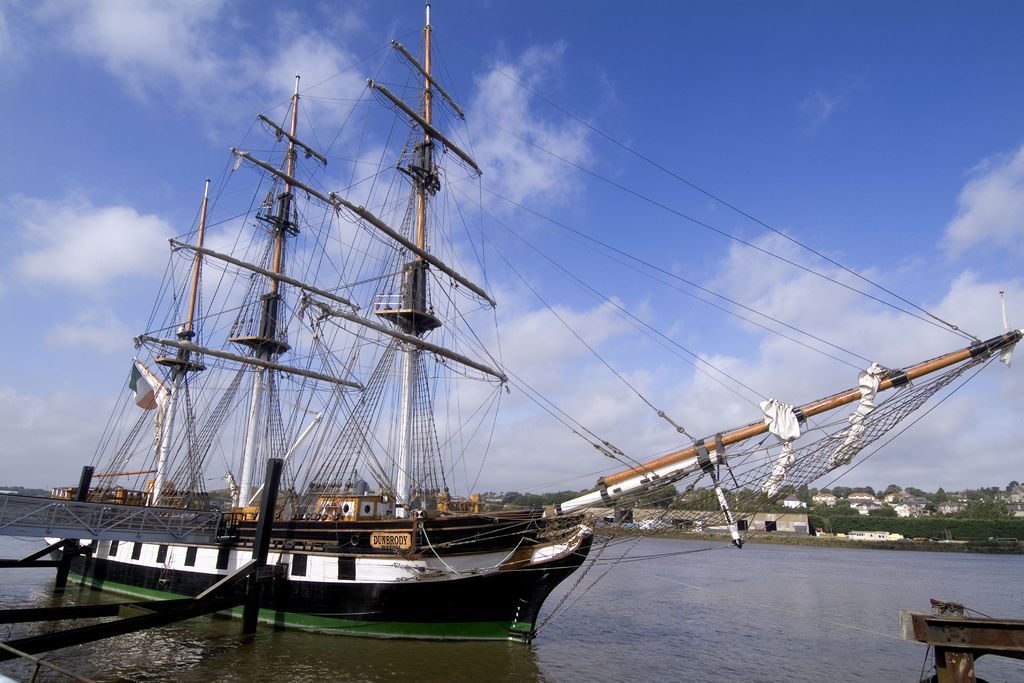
{"x": 908, "y": 510}
{"x": 911, "y": 506}
{"x": 793, "y": 502}
{"x": 896, "y": 497}
{"x": 950, "y": 507}
{"x": 1015, "y": 509}
{"x": 862, "y": 497}
{"x": 824, "y": 499}
{"x": 1016, "y": 494}
{"x": 863, "y": 503}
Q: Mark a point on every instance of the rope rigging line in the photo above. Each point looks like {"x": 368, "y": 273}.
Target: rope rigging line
{"x": 589, "y": 242}
{"x": 727, "y": 204}
{"x": 575, "y": 427}
{"x": 660, "y": 556}
{"x": 594, "y": 352}
{"x": 561, "y": 607}
{"x": 489, "y": 444}
{"x": 580, "y": 339}
{"x": 342, "y": 453}
{"x": 653, "y": 332}
{"x": 929, "y": 318}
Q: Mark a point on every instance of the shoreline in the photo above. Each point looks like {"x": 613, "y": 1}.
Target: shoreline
{"x": 777, "y": 538}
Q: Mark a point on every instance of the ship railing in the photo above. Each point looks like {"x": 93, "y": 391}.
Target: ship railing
{"x": 44, "y": 517}
{"x": 387, "y": 302}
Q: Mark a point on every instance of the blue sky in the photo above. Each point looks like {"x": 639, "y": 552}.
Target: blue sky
{"x": 886, "y": 135}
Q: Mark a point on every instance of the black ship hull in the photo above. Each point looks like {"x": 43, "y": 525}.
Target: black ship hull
{"x": 476, "y": 578}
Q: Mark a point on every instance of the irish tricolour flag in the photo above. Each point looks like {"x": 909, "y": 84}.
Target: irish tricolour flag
{"x": 149, "y": 390}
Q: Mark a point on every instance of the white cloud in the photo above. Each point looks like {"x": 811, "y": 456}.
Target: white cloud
{"x": 320, "y": 63}
{"x": 59, "y": 428}
{"x": 145, "y": 42}
{"x": 76, "y": 244}
{"x": 15, "y": 44}
{"x": 818, "y": 107}
{"x": 97, "y": 329}
{"x": 973, "y": 302}
{"x": 178, "y": 52}
{"x": 541, "y": 340}
{"x": 8, "y": 51}
{"x": 802, "y": 299}
{"x": 990, "y": 206}
{"x": 506, "y": 127}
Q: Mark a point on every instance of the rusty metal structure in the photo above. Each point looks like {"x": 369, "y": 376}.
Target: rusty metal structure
{"x": 958, "y": 639}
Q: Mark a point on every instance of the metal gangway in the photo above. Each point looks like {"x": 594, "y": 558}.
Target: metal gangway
{"x": 74, "y": 520}
{"x": 51, "y": 518}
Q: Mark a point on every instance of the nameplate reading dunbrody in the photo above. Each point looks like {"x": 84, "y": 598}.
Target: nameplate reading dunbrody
{"x": 387, "y": 540}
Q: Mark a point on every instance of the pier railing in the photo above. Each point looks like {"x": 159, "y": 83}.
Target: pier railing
{"x": 43, "y": 517}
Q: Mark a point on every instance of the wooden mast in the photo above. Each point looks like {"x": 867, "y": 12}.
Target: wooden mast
{"x": 286, "y": 195}
{"x": 197, "y": 264}
{"x": 421, "y": 191}
{"x": 415, "y": 284}
{"x": 181, "y": 364}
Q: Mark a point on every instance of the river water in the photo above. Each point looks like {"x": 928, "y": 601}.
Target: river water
{"x": 676, "y": 610}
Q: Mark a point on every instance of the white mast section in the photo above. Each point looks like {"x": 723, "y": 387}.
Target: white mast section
{"x": 166, "y": 436}
{"x": 410, "y": 356}
{"x": 251, "y": 437}
{"x": 265, "y": 351}
{"x": 180, "y": 366}
{"x": 295, "y": 446}
{"x": 640, "y": 482}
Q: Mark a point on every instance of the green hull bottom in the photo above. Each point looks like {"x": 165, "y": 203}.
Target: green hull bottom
{"x": 483, "y": 630}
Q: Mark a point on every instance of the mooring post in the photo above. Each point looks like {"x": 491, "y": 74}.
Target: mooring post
{"x": 84, "y": 482}
{"x": 64, "y": 568}
{"x": 261, "y": 544}
{"x": 70, "y": 547}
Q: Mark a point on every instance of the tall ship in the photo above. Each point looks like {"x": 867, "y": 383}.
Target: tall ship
{"x": 345, "y": 327}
